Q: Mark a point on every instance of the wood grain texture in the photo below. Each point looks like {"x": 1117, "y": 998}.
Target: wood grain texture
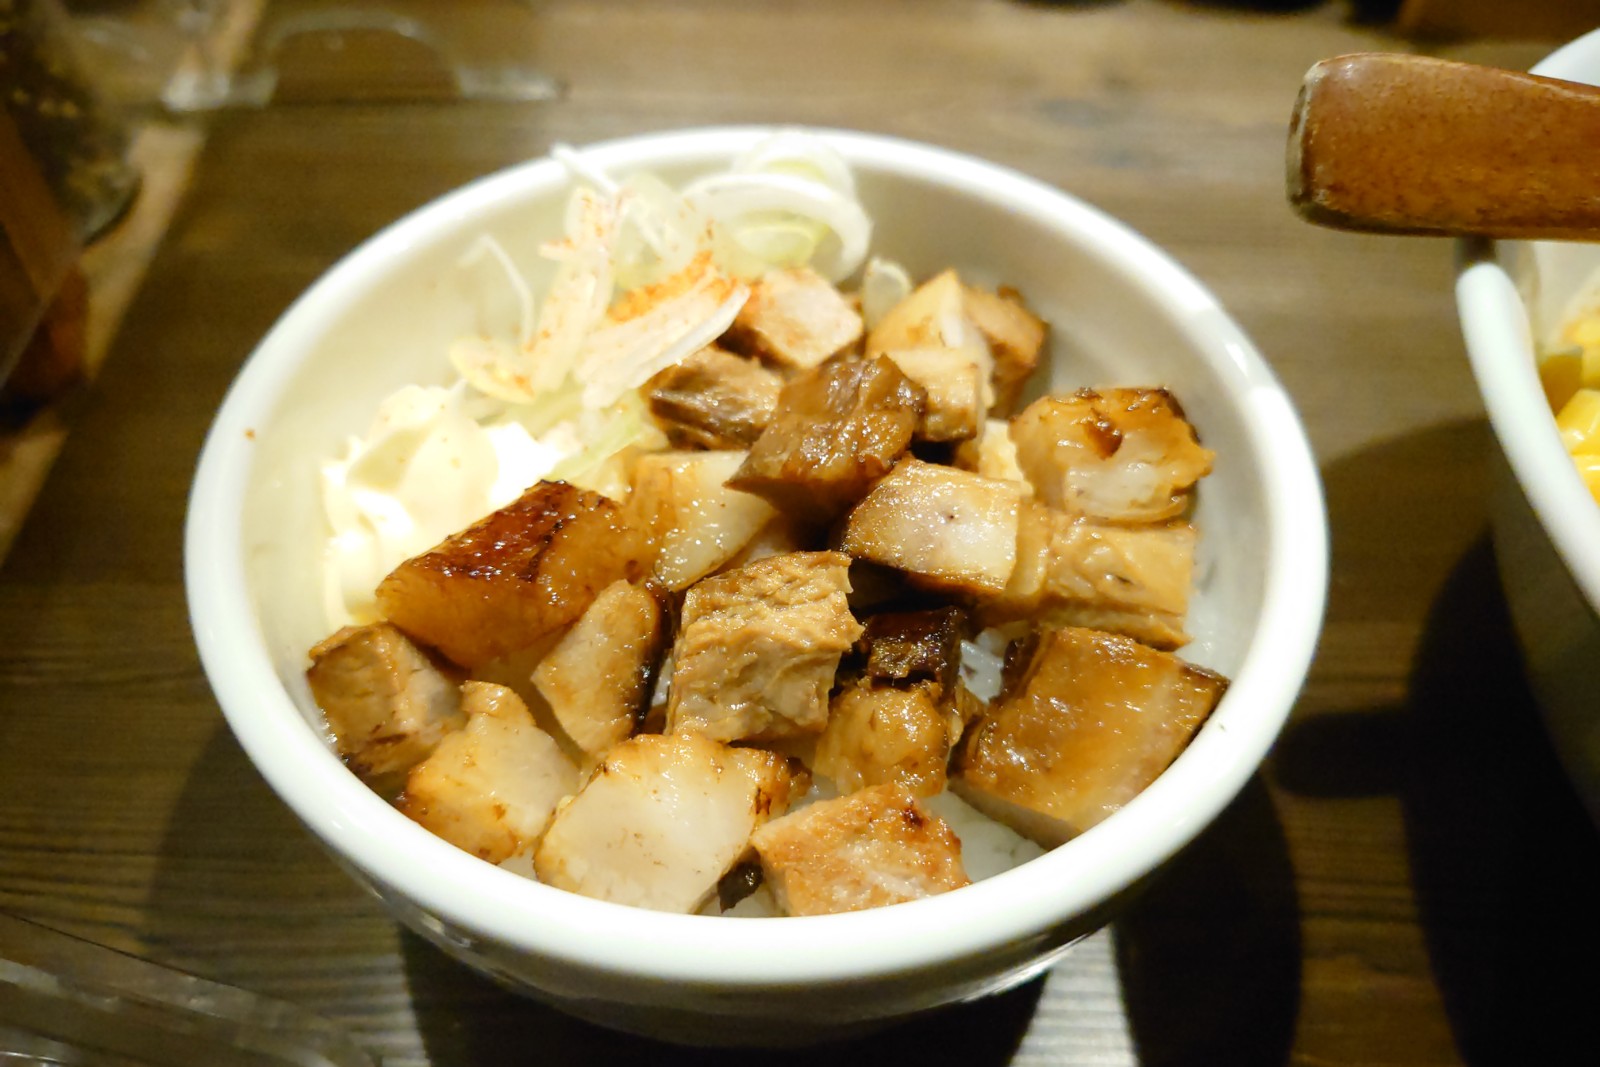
{"x": 1407, "y": 881}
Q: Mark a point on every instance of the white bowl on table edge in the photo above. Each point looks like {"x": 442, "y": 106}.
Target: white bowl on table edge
{"x": 1546, "y": 525}
{"x": 1122, "y": 312}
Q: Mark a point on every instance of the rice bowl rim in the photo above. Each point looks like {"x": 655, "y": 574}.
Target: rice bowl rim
{"x": 1020, "y": 905}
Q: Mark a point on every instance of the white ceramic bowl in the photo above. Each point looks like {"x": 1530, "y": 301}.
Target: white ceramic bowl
{"x": 1123, "y": 313}
{"x": 1546, "y": 525}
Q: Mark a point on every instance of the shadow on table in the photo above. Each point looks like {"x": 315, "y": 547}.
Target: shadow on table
{"x": 1505, "y": 864}
{"x": 1209, "y": 954}
{"x": 467, "y": 1021}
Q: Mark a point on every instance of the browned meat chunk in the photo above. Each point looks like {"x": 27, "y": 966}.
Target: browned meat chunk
{"x": 795, "y": 319}
{"x": 757, "y": 648}
{"x": 882, "y": 734}
{"x": 993, "y": 455}
{"x": 946, "y": 528}
{"x": 1133, "y": 580}
{"x": 837, "y": 429}
{"x": 1015, "y": 336}
{"x": 515, "y": 577}
{"x": 907, "y": 647}
{"x": 874, "y": 847}
{"x": 953, "y": 378}
{"x": 1086, "y": 721}
{"x": 386, "y": 704}
{"x": 714, "y": 399}
{"x": 698, "y": 521}
{"x": 661, "y": 820}
{"x": 597, "y": 677}
{"x": 1122, "y": 455}
{"x": 491, "y": 787}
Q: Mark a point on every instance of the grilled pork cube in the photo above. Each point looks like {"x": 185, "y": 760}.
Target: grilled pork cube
{"x": 597, "y": 677}
{"x": 386, "y": 704}
{"x": 1015, "y": 336}
{"x": 714, "y": 399}
{"x": 514, "y": 578}
{"x": 1122, "y": 455}
{"x": 837, "y": 429}
{"x": 757, "y": 648}
{"x": 698, "y": 521}
{"x": 910, "y": 647}
{"x": 1086, "y": 720}
{"x": 795, "y": 319}
{"x": 993, "y": 454}
{"x": 946, "y": 528}
{"x": 491, "y": 787}
{"x": 1138, "y": 568}
{"x": 953, "y": 378}
{"x": 873, "y": 847}
{"x": 935, "y": 315}
{"x": 661, "y": 820}
{"x": 878, "y": 734}
{"x": 1133, "y": 580}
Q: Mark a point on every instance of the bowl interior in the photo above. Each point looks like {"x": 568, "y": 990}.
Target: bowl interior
{"x": 1121, "y": 314}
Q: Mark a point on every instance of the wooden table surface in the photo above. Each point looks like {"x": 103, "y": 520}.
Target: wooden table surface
{"x": 1407, "y": 881}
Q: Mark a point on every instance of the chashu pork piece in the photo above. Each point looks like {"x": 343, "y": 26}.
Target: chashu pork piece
{"x": 515, "y": 577}
{"x": 906, "y": 648}
{"x": 953, "y": 378}
{"x": 386, "y": 703}
{"x": 757, "y": 648}
{"x": 946, "y": 528}
{"x": 698, "y": 521}
{"x": 873, "y": 847}
{"x": 1086, "y": 720}
{"x": 714, "y": 399}
{"x": 993, "y": 454}
{"x": 878, "y": 734}
{"x": 1121, "y": 455}
{"x": 1015, "y": 336}
{"x": 837, "y": 429}
{"x": 935, "y": 315}
{"x": 795, "y": 319}
{"x": 491, "y": 787}
{"x": 661, "y": 820}
{"x": 1133, "y": 580}
{"x": 598, "y": 675}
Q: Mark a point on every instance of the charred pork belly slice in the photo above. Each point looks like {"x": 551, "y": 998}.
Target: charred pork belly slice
{"x": 795, "y": 319}
{"x": 491, "y": 787}
{"x": 874, "y": 847}
{"x": 837, "y": 429}
{"x": 714, "y": 399}
{"x": 1085, "y": 722}
{"x": 597, "y": 677}
{"x": 1015, "y": 336}
{"x": 698, "y": 521}
{"x": 945, "y": 528}
{"x": 909, "y": 647}
{"x": 386, "y": 703}
{"x": 1122, "y": 455}
{"x": 757, "y": 648}
{"x": 515, "y": 577}
{"x": 880, "y": 734}
{"x": 953, "y": 378}
{"x": 661, "y": 820}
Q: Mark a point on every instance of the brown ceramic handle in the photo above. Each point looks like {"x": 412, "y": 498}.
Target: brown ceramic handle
{"x": 1407, "y": 144}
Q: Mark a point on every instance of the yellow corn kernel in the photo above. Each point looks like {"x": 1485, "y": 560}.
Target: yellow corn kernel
{"x": 1579, "y": 422}
{"x": 1584, "y": 332}
{"x": 1589, "y": 471}
{"x": 1561, "y": 376}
